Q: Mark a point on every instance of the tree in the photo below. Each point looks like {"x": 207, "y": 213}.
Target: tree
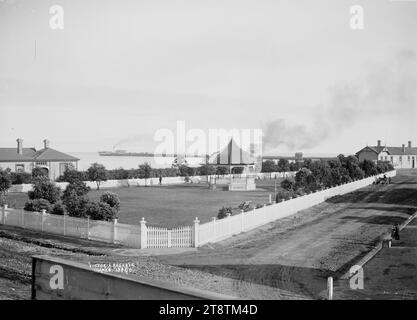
{"x": 222, "y": 170}
{"x": 321, "y": 173}
{"x": 384, "y": 166}
{"x": 287, "y": 184}
{"x": 283, "y": 165}
{"x": 295, "y": 166}
{"x": 76, "y": 205}
{"x": 268, "y": 166}
{"x": 43, "y": 188}
{"x": 20, "y": 177}
{"x": 111, "y": 199}
{"x": 185, "y": 171}
{"x": 5, "y": 183}
{"x": 58, "y": 208}
{"x": 97, "y": 172}
{"x": 75, "y": 188}
{"x": 305, "y": 179}
{"x": 206, "y": 170}
{"x": 71, "y": 175}
{"x": 369, "y": 167}
{"x": 351, "y": 163}
{"x": 145, "y": 171}
{"x": 101, "y": 211}
{"x": 119, "y": 174}
{"x": 38, "y": 205}
{"x": 237, "y": 170}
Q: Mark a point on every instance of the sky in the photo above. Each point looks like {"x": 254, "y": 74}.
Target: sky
{"x": 121, "y": 70}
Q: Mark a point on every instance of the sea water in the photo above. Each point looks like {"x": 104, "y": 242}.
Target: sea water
{"x": 129, "y": 162}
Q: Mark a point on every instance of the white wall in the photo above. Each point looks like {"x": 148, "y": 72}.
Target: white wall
{"x": 151, "y": 181}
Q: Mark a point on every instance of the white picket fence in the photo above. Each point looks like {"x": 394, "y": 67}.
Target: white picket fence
{"x": 143, "y": 236}
{"x": 217, "y": 230}
{"x": 111, "y": 232}
{"x": 169, "y": 238}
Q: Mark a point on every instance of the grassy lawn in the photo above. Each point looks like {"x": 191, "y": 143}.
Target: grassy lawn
{"x": 175, "y": 205}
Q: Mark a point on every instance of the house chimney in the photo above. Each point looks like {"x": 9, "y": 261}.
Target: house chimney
{"x": 409, "y": 144}
{"x": 404, "y": 148}
{"x": 379, "y": 143}
{"x": 20, "y": 146}
{"x": 46, "y": 143}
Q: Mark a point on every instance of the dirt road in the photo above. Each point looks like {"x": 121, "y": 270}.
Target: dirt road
{"x": 299, "y": 252}
{"x": 288, "y": 259}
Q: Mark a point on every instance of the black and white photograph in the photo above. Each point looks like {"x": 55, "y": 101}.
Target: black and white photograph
{"x": 235, "y": 150}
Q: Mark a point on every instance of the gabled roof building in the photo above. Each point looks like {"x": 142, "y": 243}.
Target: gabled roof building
{"x": 20, "y": 159}
{"x": 399, "y": 157}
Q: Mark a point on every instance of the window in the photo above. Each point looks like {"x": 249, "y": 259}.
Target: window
{"x": 386, "y": 158}
{"x": 41, "y": 163}
{"x": 401, "y": 158}
{"x": 20, "y": 168}
{"x": 408, "y": 159}
{"x": 392, "y": 159}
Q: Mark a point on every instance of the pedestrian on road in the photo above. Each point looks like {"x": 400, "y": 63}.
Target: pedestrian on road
{"x": 395, "y": 233}
{"x": 160, "y": 179}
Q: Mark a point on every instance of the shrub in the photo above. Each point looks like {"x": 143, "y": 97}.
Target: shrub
{"x": 118, "y": 174}
{"x": 5, "y": 181}
{"x": 45, "y": 189}
{"x": 222, "y": 170}
{"x": 38, "y": 172}
{"x": 223, "y": 212}
{"x": 206, "y": 170}
{"x": 268, "y": 166}
{"x": 369, "y": 167}
{"x": 384, "y": 166}
{"x": 185, "y": 171}
{"x": 58, "y": 208}
{"x": 101, "y": 211}
{"x": 76, "y": 205}
{"x": 38, "y": 205}
{"x": 77, "y": 188}
{"x": 287, "y": 184}
{"x": 21, "y": 177}
{"x": 111, "y": 199}
{"x": 72, "y": 175}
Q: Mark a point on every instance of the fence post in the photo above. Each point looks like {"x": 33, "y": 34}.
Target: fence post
{"x": 266, "y": 220}
{"x": 169, "y": 239}
{"x": 229, "y": 223}
{"x": 65, "y": 225}
{"x": 23, "y": 218}
{"x": 114, "y": 231}
{"x": 88, "y": 227}
{"x": 213, "y": 222}
{"x": 330, "y": 288}
{"x": 43, "y": 217}
{"x": 242, "y": 220}
{"x": 3, "y": 214}
{"x": 143, "y": 234}
{"x": 195, "y": 232}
